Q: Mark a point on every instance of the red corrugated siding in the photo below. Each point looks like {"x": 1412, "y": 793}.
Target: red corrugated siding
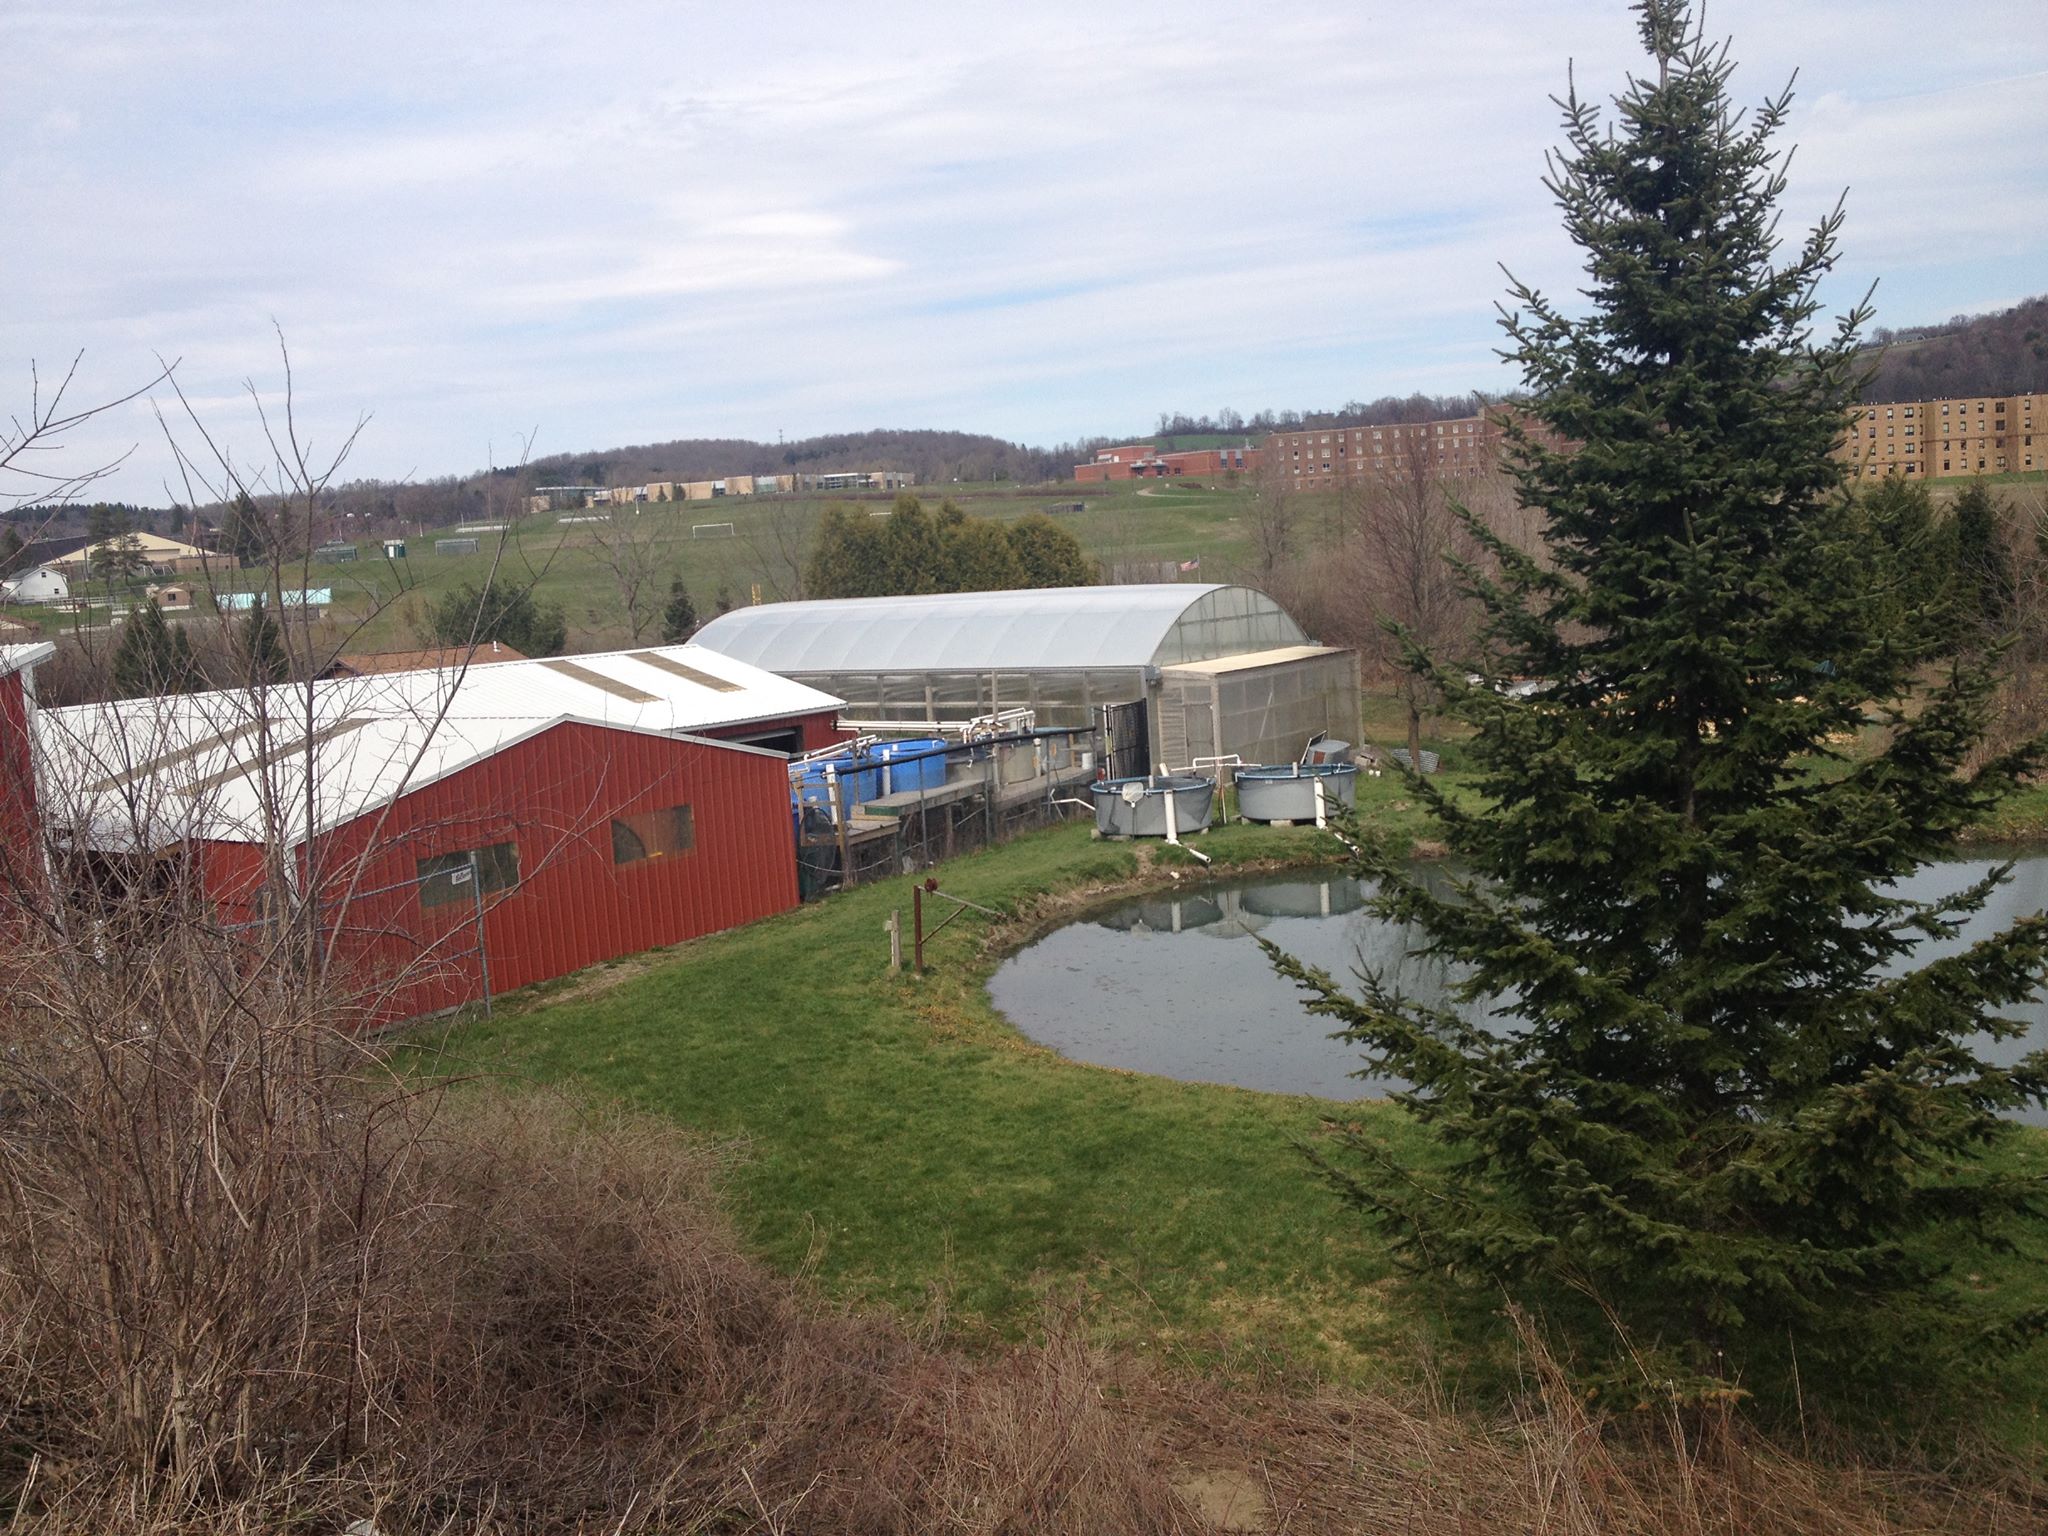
{"x": 555, "y": 795}
{"x": 20, "y": 861}
{"x": 822, "y": 730}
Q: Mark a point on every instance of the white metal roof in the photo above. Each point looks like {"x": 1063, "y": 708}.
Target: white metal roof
{"x": 1036, "y": 628}
{"x": 1246, "y": 661}
{"x": 233, "y": 765}
{"x": 19, "y": 658}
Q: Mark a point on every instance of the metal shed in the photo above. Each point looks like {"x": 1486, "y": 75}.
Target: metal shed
{"x": 1071, "y": 654}
{"x": 1262, "y": 706}
{"x": 457, "y": 831}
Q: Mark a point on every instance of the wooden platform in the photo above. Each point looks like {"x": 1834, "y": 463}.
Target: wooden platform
{"x": 904, "y": 801}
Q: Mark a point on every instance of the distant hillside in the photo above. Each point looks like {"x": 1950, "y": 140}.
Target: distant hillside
{"x": 935, "y": 458}
{"x": 2004, "y": 353}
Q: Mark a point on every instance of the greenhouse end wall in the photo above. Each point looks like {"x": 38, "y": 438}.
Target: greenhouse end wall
{"x": 1260, "y": 714}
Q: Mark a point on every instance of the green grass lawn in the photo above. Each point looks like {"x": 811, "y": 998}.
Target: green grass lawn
{"x": 902, "y": 1142}
{"x": 380, "y": 604}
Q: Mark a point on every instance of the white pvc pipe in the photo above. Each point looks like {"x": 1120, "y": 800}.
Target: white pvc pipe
{"x": 1173, "y": 828}
{"x": 1322, "y": 818}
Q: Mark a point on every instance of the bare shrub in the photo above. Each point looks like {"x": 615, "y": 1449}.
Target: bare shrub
{"x": 1413, "y": 1462}
{"x": 251, "y": 1276}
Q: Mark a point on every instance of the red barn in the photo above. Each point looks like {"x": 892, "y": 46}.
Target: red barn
{"x": 21, "y": 862}
{"x": 459, "y": 834}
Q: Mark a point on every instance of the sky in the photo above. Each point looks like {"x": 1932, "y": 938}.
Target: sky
{"x": 516, "y": 229}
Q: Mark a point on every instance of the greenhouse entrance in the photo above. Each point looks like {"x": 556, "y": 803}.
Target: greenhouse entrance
{"x": 1126, "y": 745}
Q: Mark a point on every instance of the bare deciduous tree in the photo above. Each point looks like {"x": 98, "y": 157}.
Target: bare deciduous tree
{"x": 778, "y": 534}
{"x": 633, "y": 547}
{"x": 1272, "y": 521}
{"x": 27, "y": 437}
{"x": 1406, "y": 533}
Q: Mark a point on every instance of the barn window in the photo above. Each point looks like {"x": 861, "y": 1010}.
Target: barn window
{"x": 653, "y": 834}
{"x": 445, "y": 878}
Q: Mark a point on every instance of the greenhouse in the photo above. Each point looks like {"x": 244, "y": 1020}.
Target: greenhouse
{"x": 1072, "y": 655}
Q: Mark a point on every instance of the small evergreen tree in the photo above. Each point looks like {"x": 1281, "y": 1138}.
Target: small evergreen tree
{"x": 1727, "y": 1110}
{"x": 1912, "y": 556}
{"x": 116, "y": 554}
{"x": 976, "y": 556}
{"x": 913, "y": 556}
{"x": 260, "y": 647}
{"x": 470, "y": 615}
{"x": 846, "y": 559}
{"x": 1983, "y": 596}
{"x": 247, "y": 532}
{"x": 152, "y": 657}
{"x": 1048, "y": 554}
{"x": 679, "y": 618}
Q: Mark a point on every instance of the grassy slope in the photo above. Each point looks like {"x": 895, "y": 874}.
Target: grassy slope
{"x": 902, "y": 1138}
{"x": 1127, "y": 521}
{"x": 558, "y": 562}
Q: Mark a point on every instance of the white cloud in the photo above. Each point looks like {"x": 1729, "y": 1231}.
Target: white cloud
{"x": 647, "y": 221}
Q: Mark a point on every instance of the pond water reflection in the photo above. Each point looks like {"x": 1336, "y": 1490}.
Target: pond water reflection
{"x": 1172, "y": 983}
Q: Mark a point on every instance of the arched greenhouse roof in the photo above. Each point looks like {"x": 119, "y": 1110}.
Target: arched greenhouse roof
{"x": 1035, "y": 629}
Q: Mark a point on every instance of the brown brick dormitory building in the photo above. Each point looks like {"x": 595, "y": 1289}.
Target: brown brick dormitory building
{"x": 1980, "y": 435}
{"x": 1940, "y": 439}
{"x": 1319, "y": 458}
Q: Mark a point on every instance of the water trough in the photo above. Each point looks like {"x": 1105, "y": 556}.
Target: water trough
{"x": 1170, "y": 805}
{"x": 1290, "y": 791}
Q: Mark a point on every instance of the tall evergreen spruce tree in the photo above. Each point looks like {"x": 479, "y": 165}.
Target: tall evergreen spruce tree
{"x": 1727, "y": 1113}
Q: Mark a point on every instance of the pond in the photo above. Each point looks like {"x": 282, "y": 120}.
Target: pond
{"x": 1172, "y": 983}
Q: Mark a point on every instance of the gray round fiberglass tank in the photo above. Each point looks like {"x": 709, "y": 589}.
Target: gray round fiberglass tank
{"x": 1288, "y": 792}
{"x": 1137, "y": 807}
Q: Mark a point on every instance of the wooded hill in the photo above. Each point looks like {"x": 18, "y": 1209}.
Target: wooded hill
{"x": 934, "y": 458}
{"x": 2001, "y": 353}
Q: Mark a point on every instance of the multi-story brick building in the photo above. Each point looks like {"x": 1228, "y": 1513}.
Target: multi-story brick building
{"x": 1981, "y": 435}
{"x": 1144, "y": 461}
{"x": 1321, "y": 458}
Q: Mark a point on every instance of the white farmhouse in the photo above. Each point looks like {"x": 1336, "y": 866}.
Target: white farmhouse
{"x": 40, "y": 584}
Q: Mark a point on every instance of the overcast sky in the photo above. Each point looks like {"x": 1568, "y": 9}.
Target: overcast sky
{"x": 611, "y": 224}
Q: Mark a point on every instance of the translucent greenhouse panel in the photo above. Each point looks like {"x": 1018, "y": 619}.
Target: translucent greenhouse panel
{"x": 1060, "y": 698}
{"x": 1270, "y": 715}
{"x": 1227, "y": 622}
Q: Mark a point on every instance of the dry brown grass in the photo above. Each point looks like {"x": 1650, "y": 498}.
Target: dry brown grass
{"x": 1380, "y": 1463}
